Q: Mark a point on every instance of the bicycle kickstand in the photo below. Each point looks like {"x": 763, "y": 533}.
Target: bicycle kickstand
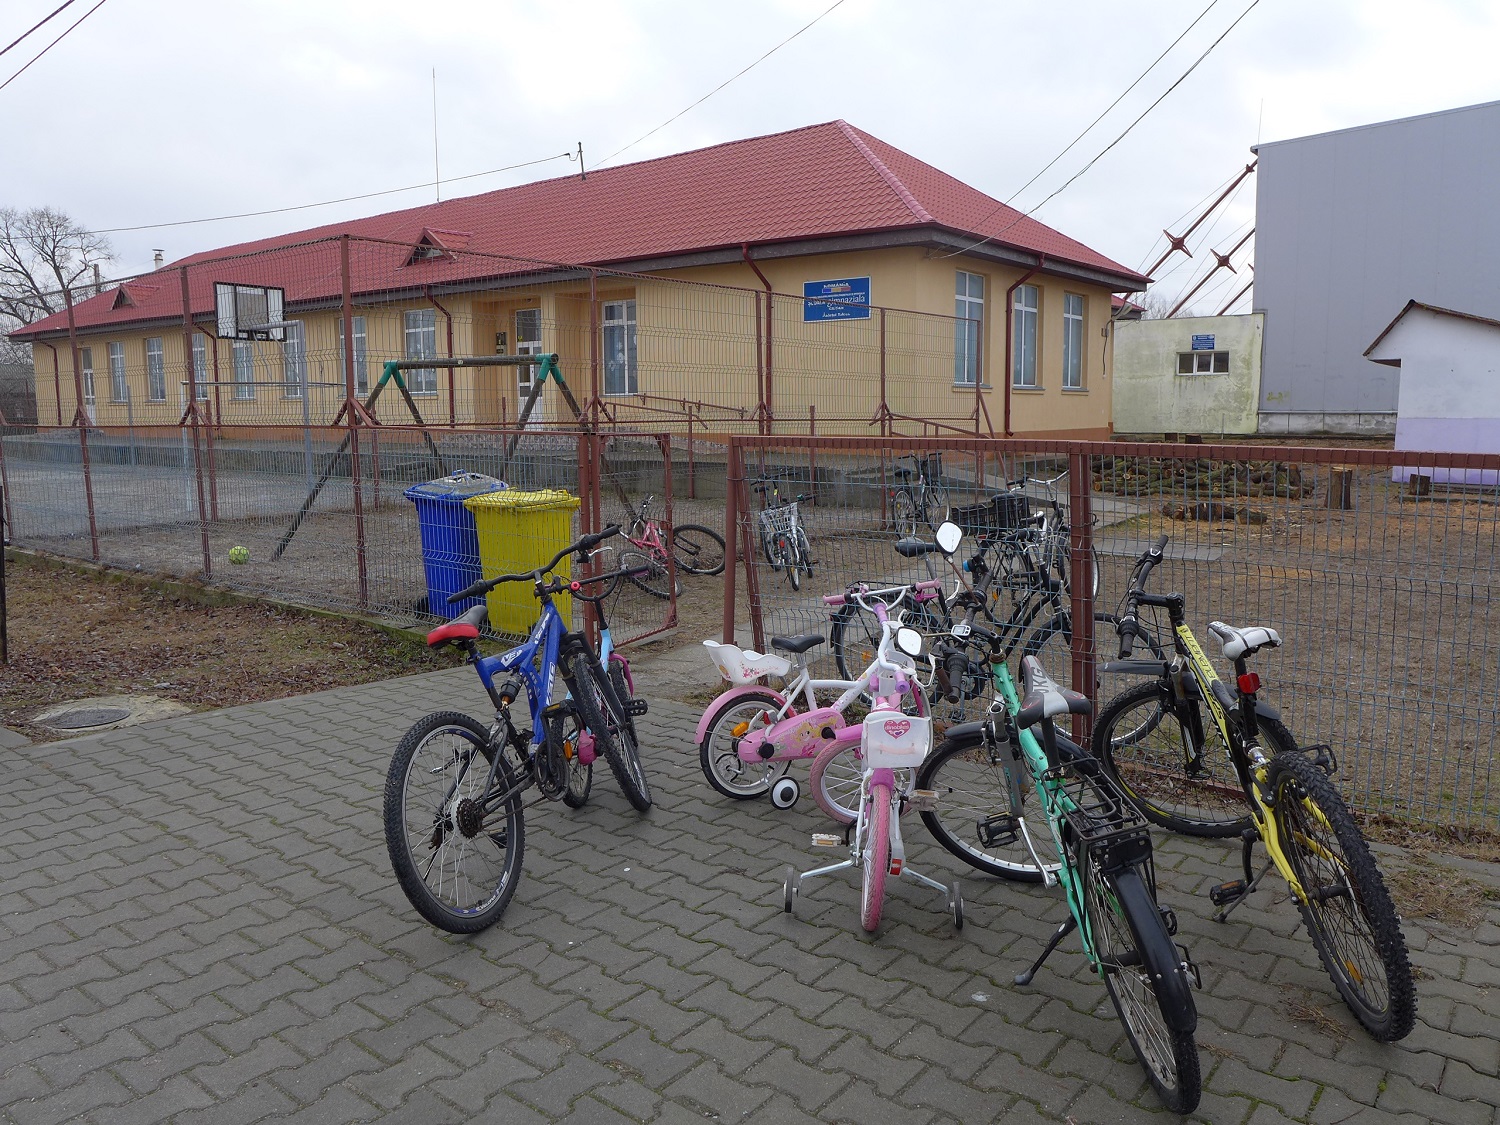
{"x": 1061, "y": 932}
{"x": 1227, "y": 896}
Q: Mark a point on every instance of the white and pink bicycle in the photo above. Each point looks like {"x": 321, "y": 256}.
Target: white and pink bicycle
{"x": 863, "y": 774}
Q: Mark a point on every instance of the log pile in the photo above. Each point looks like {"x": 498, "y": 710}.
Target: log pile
{"x": 1199, "y": 479}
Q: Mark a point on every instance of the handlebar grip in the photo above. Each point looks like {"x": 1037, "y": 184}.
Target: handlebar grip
{"x": 954, "y": 667}
{"x": 589, "y": 542}
{"x": 473, "y": 590}
{"x": 1129, "y": 628}
{"x": 833, "y": 599}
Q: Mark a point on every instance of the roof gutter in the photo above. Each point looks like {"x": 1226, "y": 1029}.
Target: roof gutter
{"x": 1010, "y": 323}
{"x": 452, "y": 404}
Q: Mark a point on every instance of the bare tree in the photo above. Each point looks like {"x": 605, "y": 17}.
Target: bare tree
{"x": 1157, "y": 305}
{"x": 44, "y": 255}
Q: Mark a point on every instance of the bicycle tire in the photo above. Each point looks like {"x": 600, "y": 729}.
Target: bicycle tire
{"x": 604, "y": 717}
{"x": 904, "y": 514}
{"x": 578, "y": 776}
{"x": 1140, "y": 742}
{"x": 698, "y": 549}
{"x": 656, "y": 581}
{"x": 970, "y": 781}
{"x": 786, "y": 548}
{"x": 804, "y": 551}
{"x": 1347, "y": 910}
{"x": 877, "y": 857}
{"x": 475, "y": 871}
{"x": 1145, "y": 981}
{"x": 718, "y": 752}
{"x": 937, "y": 495}
{"x": 1063, "y": 564}
{"x": 621, "y": 681}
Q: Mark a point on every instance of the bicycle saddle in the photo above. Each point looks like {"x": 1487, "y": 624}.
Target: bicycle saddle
{"x": 914, "y": 548}
{"x": 462, "y": 628}
{"x": 798, "y": 644}
{"x": 1045, "y": 697}
{"x": 1243, "y": 642}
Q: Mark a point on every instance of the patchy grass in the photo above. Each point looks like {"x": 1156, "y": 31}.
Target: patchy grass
{"x": 1304, "y": 1007}
{"x": 1436, "y": 892}
{"x": 78, "y": 632}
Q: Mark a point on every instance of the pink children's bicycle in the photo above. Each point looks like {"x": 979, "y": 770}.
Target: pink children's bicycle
{"x": 892, "y": 745}
{"x": 749, "y": 736}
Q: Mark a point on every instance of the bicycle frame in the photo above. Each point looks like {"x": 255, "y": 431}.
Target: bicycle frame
{"x": 546, "y": 639}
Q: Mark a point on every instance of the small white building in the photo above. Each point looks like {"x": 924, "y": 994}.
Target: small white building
{"x": 1191, "y": 374}
{"x": 1449, "y": 395}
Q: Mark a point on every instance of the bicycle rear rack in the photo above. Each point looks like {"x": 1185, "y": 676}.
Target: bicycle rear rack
{"x": 1103, "y": 821}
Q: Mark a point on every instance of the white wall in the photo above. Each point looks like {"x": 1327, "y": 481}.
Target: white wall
{"x": 1151, "y": 398}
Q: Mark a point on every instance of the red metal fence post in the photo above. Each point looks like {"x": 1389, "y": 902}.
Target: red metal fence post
{"x": 664, "y": 441}
{"x": 192, "y": 413}
{"x": 351, "y": 420}
{"x": 1081, "y": 542}
{"x": 81, "y": 421}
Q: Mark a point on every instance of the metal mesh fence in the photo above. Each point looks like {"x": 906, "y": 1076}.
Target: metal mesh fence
{"x": 1382, "y": 589}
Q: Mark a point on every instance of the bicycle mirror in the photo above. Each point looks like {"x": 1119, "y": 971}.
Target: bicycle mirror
{"x": 949, "y": 535}
{"x": 909, "y": 641}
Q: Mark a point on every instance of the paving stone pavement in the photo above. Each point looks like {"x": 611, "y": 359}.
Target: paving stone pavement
{"x": 198, "y": 923}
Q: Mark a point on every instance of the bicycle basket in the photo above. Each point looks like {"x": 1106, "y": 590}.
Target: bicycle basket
{"x": 893, "y": 740}
{"x": 781, "y": 519}
{"x": 1001, "y": 512}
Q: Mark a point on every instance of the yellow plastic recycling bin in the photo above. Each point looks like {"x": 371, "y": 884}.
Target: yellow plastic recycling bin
{"x": 519, "y": 531}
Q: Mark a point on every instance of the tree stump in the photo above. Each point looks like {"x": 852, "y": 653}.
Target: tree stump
{"x": 1341, "y": 488}
{"x": 1419, "y": 484}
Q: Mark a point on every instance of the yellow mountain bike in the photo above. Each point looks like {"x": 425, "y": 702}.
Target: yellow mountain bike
{"x": 1242, "y": 774}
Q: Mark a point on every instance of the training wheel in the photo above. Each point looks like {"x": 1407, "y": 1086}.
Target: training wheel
{"x": 956, "y": 905}
{"x": 785, "y": 792}
{"x": 788, "y": 889}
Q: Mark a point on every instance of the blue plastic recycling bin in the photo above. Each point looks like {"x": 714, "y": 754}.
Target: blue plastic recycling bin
{"x": 450, "y": 546}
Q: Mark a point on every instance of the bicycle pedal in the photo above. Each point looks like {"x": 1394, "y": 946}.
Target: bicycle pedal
{"x": 826, "y": 840}
{"x": 1323, "y": 757}
{"x": 999, "y": 830}
{"x": 922, "y": 800}
{"x": 1226, "y": 893}
{"x": 635, "y": 707}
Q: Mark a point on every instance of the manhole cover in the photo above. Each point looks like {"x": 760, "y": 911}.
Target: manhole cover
{"x": 81, "y": 717}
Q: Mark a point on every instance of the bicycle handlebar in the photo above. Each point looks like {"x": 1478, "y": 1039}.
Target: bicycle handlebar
{"x": 583, "y": 544}
{"x": 880, "y": 595}
{"x": 1129, "y": 627}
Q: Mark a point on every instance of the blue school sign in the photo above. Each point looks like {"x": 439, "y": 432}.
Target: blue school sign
{"x": 847, "y": 298}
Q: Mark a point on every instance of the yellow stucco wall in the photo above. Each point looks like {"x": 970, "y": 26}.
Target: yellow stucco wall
{"x": 696, "y": 352}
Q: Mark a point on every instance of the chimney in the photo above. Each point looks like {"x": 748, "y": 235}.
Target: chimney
{"x": 158, "y": 259}
{"x": 98, "y": 281}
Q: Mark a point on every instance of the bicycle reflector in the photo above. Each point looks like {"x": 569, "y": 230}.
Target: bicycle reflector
{"x": 1249, "y": 683}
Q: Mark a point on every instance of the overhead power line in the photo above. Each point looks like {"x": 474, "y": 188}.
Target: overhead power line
{"x": 50, "y": 45}
{"x": 34, "y": 26}
{"x": 331, "y": 202}
{"x": 1128, "y": 129}
{"x": 724, "y": 83}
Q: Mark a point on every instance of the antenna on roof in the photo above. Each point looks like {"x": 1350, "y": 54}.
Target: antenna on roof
{"x": 437, "y": 178}
{"x": 582, "y": 175}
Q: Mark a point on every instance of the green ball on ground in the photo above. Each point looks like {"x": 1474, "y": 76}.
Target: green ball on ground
{"x": 239, "y": 555}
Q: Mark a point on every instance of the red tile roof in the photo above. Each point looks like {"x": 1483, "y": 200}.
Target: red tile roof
{"x": 821, "y": 181}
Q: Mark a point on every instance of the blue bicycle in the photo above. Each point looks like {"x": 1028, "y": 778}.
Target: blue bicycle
{"x": 454, "y": 822}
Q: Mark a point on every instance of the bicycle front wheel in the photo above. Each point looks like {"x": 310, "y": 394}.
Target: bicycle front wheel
{"x": 698, "y": 549}
{"x": 1146, "y": 747}
{"x": 904, "y": 514}
{"x": 654, "y": 578}
{"x": 457, "y": 863}
{"x": 980, "y": 808}
{"x": 786, "y": 550}
{"x": 1345, "y": 904}
{"x": 604, "y": 715}
{"x": 1145, "y": 981}
{"x": 877, "y": 857}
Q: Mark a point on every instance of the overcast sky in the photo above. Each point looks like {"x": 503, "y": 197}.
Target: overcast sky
{"x": 160, "y": 110}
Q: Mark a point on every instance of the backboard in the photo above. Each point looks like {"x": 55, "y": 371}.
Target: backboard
{"x": 249, "y": 312}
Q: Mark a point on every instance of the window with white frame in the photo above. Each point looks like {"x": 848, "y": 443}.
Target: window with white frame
{"x": 86, "y": 366}
{"x": 119, "y": 386}
{"x": 1203, "y": 363}
{"x": 156, "y": 370}
{"x": 201, "y": 372}
{"x": 244, "y": 369}
{"x": 1023, "y": 315}
{"x": 620, "y": 370}
{"x": 1072, "y": 342}
{"x": 361, "y": 369}
{"x": 421, "y": 343}
{"x": 968, "y": 307}
{"x": 293, "y": 360}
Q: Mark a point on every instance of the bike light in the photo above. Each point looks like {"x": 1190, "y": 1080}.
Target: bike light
{"x": 1249, "y": 683}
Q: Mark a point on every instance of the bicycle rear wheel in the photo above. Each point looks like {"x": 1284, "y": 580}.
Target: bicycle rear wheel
{"x": 877, "y": 856}
{"x": 977, "y": 818}
{"x": 605, "y": 718}
{"x": 1145, "y": 981}
{"x": 719, "y": 755}
{"x": 655, "y": 581}
{"x": 458, "y": 865}
{"x": 1347, "y": 909}
{"x": 1146, "y": 747}
{"x": 698, "y": 549}
{"x": 904, "y": 514}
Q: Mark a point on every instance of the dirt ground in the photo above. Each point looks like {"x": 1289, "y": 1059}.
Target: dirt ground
{"x": 75, "y": 634}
